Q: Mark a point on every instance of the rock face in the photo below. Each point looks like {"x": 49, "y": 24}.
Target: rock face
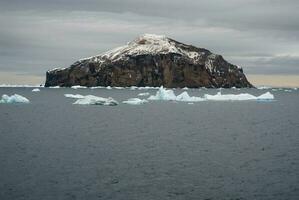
{"x": 151, "y": 60}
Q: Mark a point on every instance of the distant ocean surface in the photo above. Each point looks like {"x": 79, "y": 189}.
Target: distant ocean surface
{"x": 53, "y": 149}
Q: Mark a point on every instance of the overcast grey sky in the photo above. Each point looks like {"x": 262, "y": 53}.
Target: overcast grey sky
{"x": 260, "y": 35}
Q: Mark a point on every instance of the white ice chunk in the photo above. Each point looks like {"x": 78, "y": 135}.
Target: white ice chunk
{"x": 266, "y": 96}
{"x": 94, "y": 100}
{"x": 144, "y": 94}
{"x": 186, "y": 98}
{"x": 118, "y": 88}
{"x": 168, "y": 95}
{"x": 36, "y": 90}
{"x": 263, "y": 87}
{"x": 135, "y": 101}
{"x": 14, "y": 99}
{"x": 133, "y": 87}
{"x": 229, "y": 97}
{"x": 238, "y": 97}
{"x": 78, "y": 87}
{"x": 97, "y": 87}
{"x": 163, "y": 94}
{"x": 74, "y": 96}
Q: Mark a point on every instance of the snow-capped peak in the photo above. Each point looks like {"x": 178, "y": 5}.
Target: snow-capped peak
{"x": 144, "y": 44}
{"x": 150, "y": 39}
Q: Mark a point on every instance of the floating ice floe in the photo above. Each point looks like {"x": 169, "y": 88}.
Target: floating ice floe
{"x": 13, "y": 99}
{"x": 238, "y": 97}
{"x": 92, "y": 100}
{"x": 74, "y": 96}
{"x": 78, "y": 87}
{"x": 133, "y": 87}
{"x": 54, "y": 87}
{"x": 35, "y": 90}
{"x": 118, "y": 88}
{"x": 97, "y": 87}
{"x": 168, "y": 95}
{"x": 148, "y": 88}
{"x": 144, "y": 94}
{"x": 263, "y": 87}
{"x": 135, "y": 101}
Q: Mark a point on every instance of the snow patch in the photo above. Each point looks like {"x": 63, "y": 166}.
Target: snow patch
{"x": 13, "y": 99}
{"x": 144, "y": 44}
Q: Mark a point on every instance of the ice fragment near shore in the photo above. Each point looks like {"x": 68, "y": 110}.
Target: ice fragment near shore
{"x": 13, "y": 99}
{"x": 92, "y": 100}
{"x": 168, "y": 95}
{"x": 135, "y": 101}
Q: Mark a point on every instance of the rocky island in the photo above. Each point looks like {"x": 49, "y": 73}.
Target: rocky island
{"x": 151, "y": 60}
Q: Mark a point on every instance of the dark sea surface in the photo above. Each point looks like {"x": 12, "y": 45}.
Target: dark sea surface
{"x": 52, "y": 149}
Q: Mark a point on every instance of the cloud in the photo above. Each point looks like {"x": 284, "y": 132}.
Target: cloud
{"x": 39, "y": 35}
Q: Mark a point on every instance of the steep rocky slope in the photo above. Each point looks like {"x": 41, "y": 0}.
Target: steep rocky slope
{"x": 151, "y": 60}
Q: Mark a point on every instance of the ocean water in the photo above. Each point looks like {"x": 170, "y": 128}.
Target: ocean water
{"x": 52, "y": 149}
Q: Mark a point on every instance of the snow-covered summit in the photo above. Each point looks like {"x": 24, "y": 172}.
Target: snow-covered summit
{"x": 148, "y": 44}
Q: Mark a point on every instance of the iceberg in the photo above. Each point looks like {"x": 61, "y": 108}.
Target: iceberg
{"x": 13, "y": 99}
{"x": 186, "y": 98}
{"x": 144, "y": 94}
{"x": 135, "y": 101}
{"x": 35, "y": 90}
{"x": 168, "y": 95}
{"x": 266, "y": 96}
{"x": 229, "y": 97}
{"x": 238, "y": 97}
{"x": 92, "y": 100}
{"x": 163, "y": 94}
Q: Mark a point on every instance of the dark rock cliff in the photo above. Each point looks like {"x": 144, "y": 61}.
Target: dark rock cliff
{"x": 151, "y": 60}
